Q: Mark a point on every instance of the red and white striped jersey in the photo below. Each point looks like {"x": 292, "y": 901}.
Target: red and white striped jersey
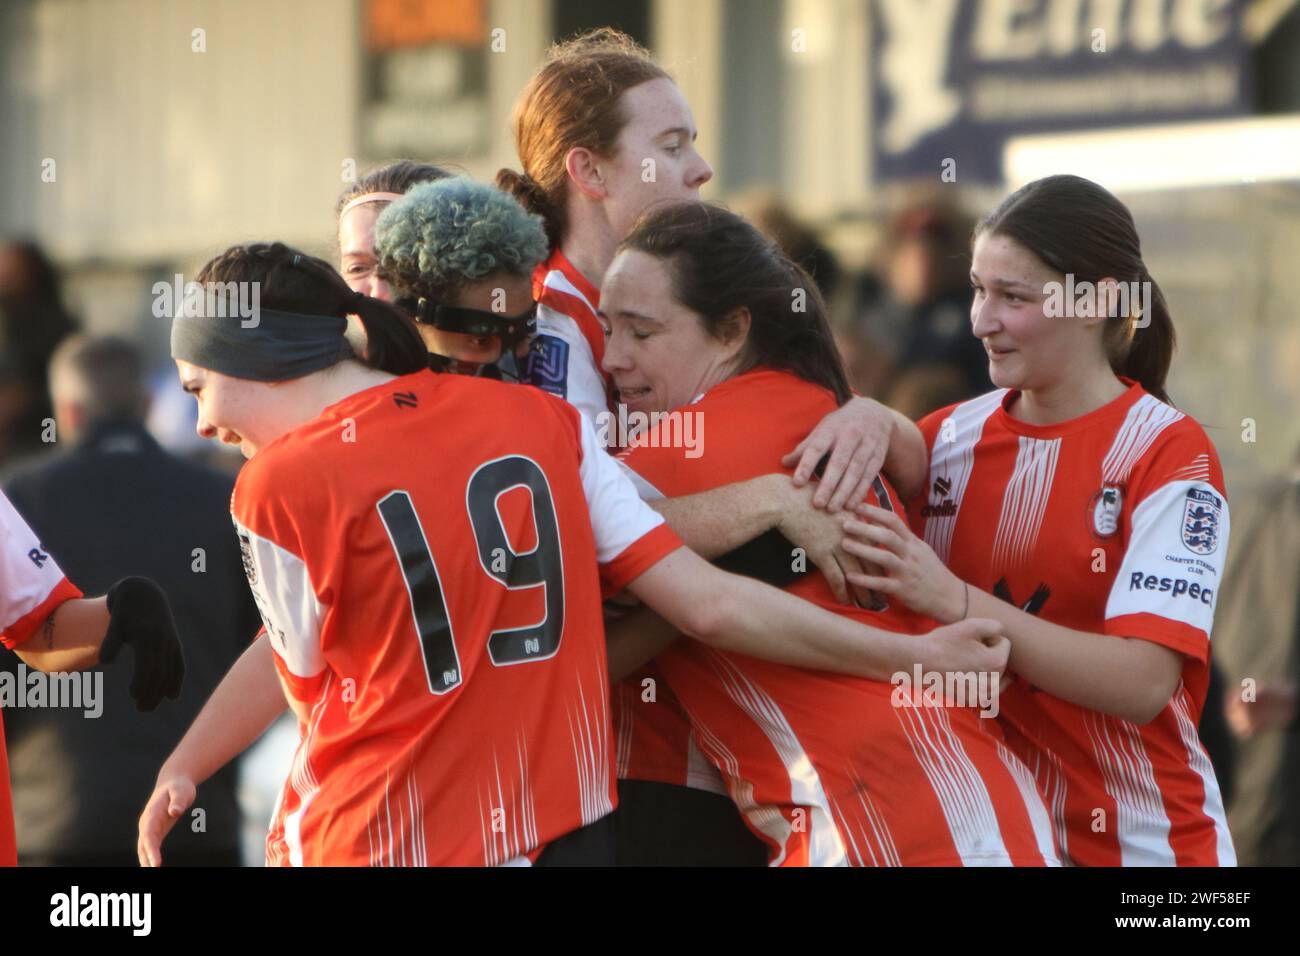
{"x": 565, "y": 355}
{"x": 828, "y": 769}
{"x": 431, "y": 589}
{"x": 654, "y": 742}
{"x": 31, "y": 587}
{"x": 1112, "y": 523}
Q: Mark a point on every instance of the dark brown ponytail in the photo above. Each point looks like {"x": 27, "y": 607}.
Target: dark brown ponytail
{"x": 293, "y": 281}
{"x": 1078, "y": 228}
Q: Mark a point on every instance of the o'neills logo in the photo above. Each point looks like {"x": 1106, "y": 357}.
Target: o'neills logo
{"x": 946, "y": 507}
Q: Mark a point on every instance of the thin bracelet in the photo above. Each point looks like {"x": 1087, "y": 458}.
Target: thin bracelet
{"x": 965, "y": 589}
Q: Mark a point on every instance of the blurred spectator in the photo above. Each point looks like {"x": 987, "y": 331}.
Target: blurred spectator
{"x": 1257, "y": 642}
{"x": 32, "y": 322}
{"x": 114, "y": 504}
{"x": 798, "y": 241}
{"x": 911, "y": 343}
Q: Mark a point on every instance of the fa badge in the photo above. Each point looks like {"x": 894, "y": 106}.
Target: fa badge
{"x": 1201, "y": 511}
{"x": 1105, "y": 507}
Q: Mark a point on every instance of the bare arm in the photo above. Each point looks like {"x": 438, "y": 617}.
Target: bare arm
{"x": 1127, "y": 677}
{"x": 713, "y": 522}
{"x": 70, "y": 638}
{"x": 244, "y": 704}
{"x": 739, "y": 614}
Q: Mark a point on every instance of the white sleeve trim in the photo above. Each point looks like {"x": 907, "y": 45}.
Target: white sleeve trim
{"x": 583, "y": 385}
{"x": 619, "y": 517}
{"x": 286, "y": 600}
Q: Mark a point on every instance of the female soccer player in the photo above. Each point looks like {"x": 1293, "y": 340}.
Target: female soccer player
{"x": 1085, "y": 513}
{"x": 707, "y": 318}
{"x": 47, "y": 623}
{"x": 417, "y": 562}
{"x": 603, "y": 133}
{"x": 359, "y": 207}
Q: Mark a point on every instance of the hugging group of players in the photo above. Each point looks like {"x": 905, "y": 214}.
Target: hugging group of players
{"x": 506, "y": 644}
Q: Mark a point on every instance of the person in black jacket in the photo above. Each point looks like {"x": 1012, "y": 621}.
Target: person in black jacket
{"x": 110, "y": 503}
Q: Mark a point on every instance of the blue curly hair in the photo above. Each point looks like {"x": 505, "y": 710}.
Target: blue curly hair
{"x": 442, "y": 235}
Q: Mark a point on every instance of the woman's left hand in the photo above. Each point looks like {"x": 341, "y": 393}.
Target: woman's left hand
{"x": 909, "y": 570}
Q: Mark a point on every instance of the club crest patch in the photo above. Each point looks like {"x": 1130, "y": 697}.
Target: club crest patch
{"x": 1104, "y": 510}
{"x": 1201, "y": 512}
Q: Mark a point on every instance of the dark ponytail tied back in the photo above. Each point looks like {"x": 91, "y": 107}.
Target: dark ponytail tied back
{"x": 1076, "y": 227}
{"x": 292, "y": 281}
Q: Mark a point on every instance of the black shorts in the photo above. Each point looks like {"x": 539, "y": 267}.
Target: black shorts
{"x": 592, "y": 845}
{"x": 660, "y": 824}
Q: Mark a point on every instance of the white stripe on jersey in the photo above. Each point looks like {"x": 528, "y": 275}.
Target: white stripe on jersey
{"x": 1024, "y": 500}
{"x": 582, "y": 384}
{"x": 591, "y": 752}
{"x": 557, "y": 280}
{"x": 508, "y": 834}
{"x": 825, "y": 847}
{"x": 619, "y": 518}
{"x": 958, "y": 786}
{"x": 1141, "y": 825}
{"x": 765, "y": 819}
{"x": 284, "y": 595}
{"x": 1039, "y": 818}
{"x": 955, "y": 460}
{"x": 1146, "y": 419}
{"x": 626, "y": 721}
{"x": 305, "y": 785}
{"x": 869, "y": 824}
{"x": 1198, "y": 470}
{"x": 700, "y": 772}
{"x": 1199, "y": 761}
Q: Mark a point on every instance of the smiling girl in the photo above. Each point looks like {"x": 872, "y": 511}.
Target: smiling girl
{"x": 1081, "y": 510}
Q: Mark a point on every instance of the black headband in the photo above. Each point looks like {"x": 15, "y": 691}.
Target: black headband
{"x": 278, "y": 347}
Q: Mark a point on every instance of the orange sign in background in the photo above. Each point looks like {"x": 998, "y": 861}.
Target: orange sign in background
{"x": 395, "y": 24}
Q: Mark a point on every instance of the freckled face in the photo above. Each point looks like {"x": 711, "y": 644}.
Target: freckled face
{"x": 236, "y": 411}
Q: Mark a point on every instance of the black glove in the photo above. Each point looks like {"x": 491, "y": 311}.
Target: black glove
{"x": 139, "y": 615}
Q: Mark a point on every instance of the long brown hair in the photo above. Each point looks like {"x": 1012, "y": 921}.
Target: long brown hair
{"x": 721, "y": 264}
{"x": 293, "y": 281}
{"x": 1078, "y": 228}
{"x": 574, "y": 100}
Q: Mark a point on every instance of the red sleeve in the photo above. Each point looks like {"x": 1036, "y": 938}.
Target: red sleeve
{"x": 641, "y": 555}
